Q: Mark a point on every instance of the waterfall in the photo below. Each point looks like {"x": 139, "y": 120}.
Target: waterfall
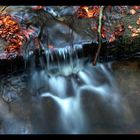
{"x": 62, "y": 92}
{"x": 83, "y": 100}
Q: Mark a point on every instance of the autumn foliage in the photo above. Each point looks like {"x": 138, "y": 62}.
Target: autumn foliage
{"x": 10, "y": 31}
{"x": 88, "y": 11}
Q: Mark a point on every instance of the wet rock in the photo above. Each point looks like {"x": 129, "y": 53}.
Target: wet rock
{"x": 9, "y": 96}
{"x": 127, "y": 75}
{"x": 11, "y": 88}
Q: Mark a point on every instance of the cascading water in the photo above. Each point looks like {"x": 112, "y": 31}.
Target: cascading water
{"x": 66, "y": 94}
{"x": 86, "y": 101}
{"x": 83, "y": 100}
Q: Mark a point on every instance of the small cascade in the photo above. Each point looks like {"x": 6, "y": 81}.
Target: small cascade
{"x": 82, "y": 99}
{"x": 62, "y": 61}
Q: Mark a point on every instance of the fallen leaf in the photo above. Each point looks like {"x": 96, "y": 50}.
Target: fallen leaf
{"x": 136, "y": 7}
{"x": 129, "y": 27}
{"x": 134, "y": 34}
{"x": 138, "y": 21}
{"x": 132, "y": 11}
{"x": 134, "y": 30}
{"x": 138, "y": 30}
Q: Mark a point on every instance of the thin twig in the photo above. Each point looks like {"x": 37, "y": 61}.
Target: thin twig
{"x": 99, "y": 34}
{"x": 4, "y": 7}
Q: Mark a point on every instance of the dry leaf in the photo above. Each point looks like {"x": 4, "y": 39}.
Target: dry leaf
{"x": 130, "y": 27}
{"x": 132, "y": 11}
{"x": 138, "y": 21}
